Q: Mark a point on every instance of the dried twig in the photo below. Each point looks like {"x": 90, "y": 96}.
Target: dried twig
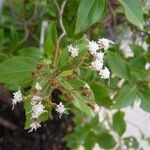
{"x": 60, "y": 11}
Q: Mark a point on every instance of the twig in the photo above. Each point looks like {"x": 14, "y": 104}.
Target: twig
{"x": 7, "y": 124}
{"x": 60, "y": 11}
{"x": 147, "y": 33}
{"x": 60, "y": 14}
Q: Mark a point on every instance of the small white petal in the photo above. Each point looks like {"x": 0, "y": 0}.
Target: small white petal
{"x": 34, "y": 126}
{"x": 74, "y": 51}
{"x": 104, "y": 43}
{"x": 99, "y": 56}
{"x": 37, "y": 110}
{"x": 38, "y": 86}
{"x": 104, "y": 73}
{"x": 17, "y": 98}
{"x": 61, "y": 109}
{"x": 97, "y": 64}
{"x": 93, "y": 47}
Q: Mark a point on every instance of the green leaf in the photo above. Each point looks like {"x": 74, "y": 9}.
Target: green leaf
{"x": 52, "y": 32}
{"x": 94, "y": 10}
{"x": 32, "y": 52}
{"x": 13, "y": 39}
{"x": 131, "y": 143}
{"x": 126, "y": 97}
{"x": 106, "y": 140}
{"x": 28, "y": 108}
{"x": 79, "y": 103}
{"x": 133, "y": 11}
{"x": 101, "y": 94}
{"x": 50, "y": 40}
{"x": 17, "y": 69}
{"x": 87, "y": 74}
{"x": 79, "y": 100}
{"x": 49, "y": 47}
{"x": 118, "y": 65}
{"x": 144, "y": 95}
{"x": 1, "y": 37}
{"x": 64, "y": 59}
{"x": 119, "y": 124}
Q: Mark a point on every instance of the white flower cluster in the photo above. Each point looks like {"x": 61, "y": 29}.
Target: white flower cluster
{"x": 74, "y": 51}
{"x": 37, "y": 108}
{"x": 60, "y": 109}
{"x": 34, "y": 126}
{"x": 99, "y": 56}
{"x": 17, "y": 98}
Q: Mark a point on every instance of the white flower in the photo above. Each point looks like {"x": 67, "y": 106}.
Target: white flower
{"x": 38, "y": 86}
{"x": 35, "y": 99}
{"x": 96, "y": 108}
{"x": 17, "y": 98}
{"x": 104, "y": 43}
{"x": 93, "y": 47}
{"x": 61, "y": 109}
{"x": 73, "y": 50}
{"x": 104, "y": 73}
{"x": 34, "y": 126}
{"x": 99, "y": 56}
{"x": 97, "y": 64}
{"x": 37, "y": 110}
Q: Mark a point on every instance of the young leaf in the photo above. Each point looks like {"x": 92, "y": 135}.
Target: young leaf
{"x": 94, "y": 10}
{"x": 17, "y": 69}
{"x": 133, "y": 11}
{"x": 118, "y": 65}
{"x": 119, "y": 124}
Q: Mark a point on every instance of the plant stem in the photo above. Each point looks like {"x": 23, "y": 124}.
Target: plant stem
{"x": 60, "y": 11}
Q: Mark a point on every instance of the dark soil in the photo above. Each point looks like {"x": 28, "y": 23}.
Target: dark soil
{"x": 14, "y": 137}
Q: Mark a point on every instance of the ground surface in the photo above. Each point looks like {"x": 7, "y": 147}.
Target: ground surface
{"x": 14, "y": 137}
